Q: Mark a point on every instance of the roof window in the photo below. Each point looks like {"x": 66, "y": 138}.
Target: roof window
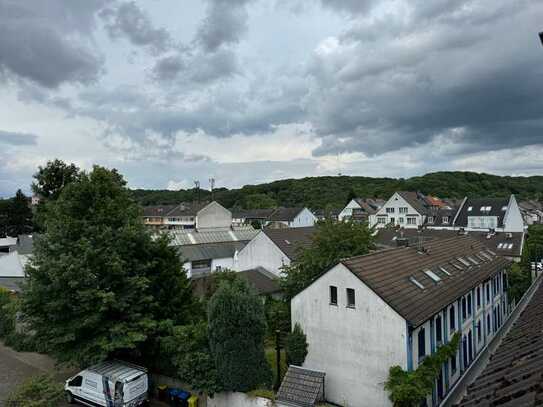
{"x": 444, "y": 270}
{"x": 504, "y": 208}
{"x": 432, "y": 275}
{"x": 473, "y": 260}
{"x": 470, "y": 208}
{"x": 486, "y": 256}
{"x": 501, "y": 245}
{"x": 463, "y": 261}
{"x": 457, "y": 266}
{"x": 416, "y": 282}
{"x": 287, "y": 242}
{"x": 491, "y": 252}
{"x": 480, "y": 257}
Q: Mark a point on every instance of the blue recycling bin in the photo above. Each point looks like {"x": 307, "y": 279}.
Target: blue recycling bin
{"x": 173, "y": 397}
{"x": 183, "y": 398}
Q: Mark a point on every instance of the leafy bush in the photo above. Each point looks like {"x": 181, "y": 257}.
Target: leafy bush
{"x": 277, "y": 316}
{"x": 296, "y": 346}
{"x": 38, "y": 391}
{"x": 409, "y": 389}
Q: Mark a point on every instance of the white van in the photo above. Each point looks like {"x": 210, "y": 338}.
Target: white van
{"x": 109, "y": 384}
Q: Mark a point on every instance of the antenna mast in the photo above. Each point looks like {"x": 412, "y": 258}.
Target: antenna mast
{"x": 197, "y": 185}
{"x": 212, "y": 184}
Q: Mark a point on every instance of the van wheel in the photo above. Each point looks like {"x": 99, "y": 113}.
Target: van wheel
{"x": 69, "y": 397}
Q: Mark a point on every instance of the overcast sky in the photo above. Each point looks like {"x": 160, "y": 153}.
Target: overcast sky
{"x": 249, "y": 91}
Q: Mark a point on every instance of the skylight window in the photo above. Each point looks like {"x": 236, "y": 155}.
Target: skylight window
{"x": 501, "y": 245}
{"x": 444, "y": 270}
{"x": 486, "y": 256}
{"x": 473, "y": 260}
{"x": 491, "y": 252}
{"x": 416, "y": 282}
{"x": 480, "y": 257}
{"x": 463, "y": 261}
{"x": 510, "y": 246}
{"x": 457, "y": 266}
{"x": 287, "y": 242}
{"x": 432, "y": 275}
{"x": 470, "y": 208}
{"x": 504, "y": 208}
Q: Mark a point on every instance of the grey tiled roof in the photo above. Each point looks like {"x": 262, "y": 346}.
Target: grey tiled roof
{"x": 285, "y": 214}
{"x": 263, "y": 281}
{"x": 207, "y": 251}
{"x": 301, "y": 387}
{"x": 187, "y": 237}
{"x": 495, "y": 204}
{"x": 514, "y": 374}
{"x": 291, "y": 240}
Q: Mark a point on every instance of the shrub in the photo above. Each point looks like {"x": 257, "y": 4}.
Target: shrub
{"x": 296, "y": 346}
{"x": 38, "y": 391}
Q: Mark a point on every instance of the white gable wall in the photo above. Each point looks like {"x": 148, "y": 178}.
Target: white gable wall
{"x": 348, "y": 210}
{"x": 213, "y": 216}
{"x": 396, "y": 202}
{"x": 354, "y": 346}
{"x": 304, "y": 219}
{"x": 513, "y": 221}
{"x": 261, "y": 252}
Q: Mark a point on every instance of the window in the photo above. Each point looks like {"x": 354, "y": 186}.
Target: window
{"x": 487, "y": 292}
{"x": 91, "y": 383}
{"x": 464, "y": 262}
{"x": 453, "y": 364}
{"x": 400, "y": 220}
{"x": 351, "y": 302}
{"x": 411, "y": 221}
{"x": 479, "y": 332}
{"x": 488, "y": 327}
{"x": 432, "y": 275}
{"x": 469, "y": 304}
{"x": 478, "y": 297}
{"x": 439, "y": 330}
{"x": 444, "y": 270}
{"x": 464, "y": 308}
{"x": 403, "y": 210}
{"x": 504, "y": 208}
{"x": 430, "y": 219}
{"x": 389, "y": 210}
{"x": 457, "y": 266}
{"x": 452, "y": 319}
{"x": 201, "y": 264}
{"x": 381, "y": 219}
{"x": 470, "y": 208}
{"x": 76, "y": 381}
{"x": 445, "y": 219}
{"x": 416, "y": 282}
{"x": 422, "y": 343}
{"x": 333, "y": 295}
{"x": 473, "y": 260}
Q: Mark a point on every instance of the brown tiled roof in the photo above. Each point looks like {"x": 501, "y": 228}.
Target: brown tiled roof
{"x": 387, "y": 237}
{"x": 416, "y": 200}
{"x": 514, "y": 374}
{"x": 301, "y": 387}
{"x": 291, "y": 240}
{"x": 370, "y": 205}
{"x": 388, "y": 273}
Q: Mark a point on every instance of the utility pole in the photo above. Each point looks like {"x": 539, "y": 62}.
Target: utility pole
{"x": 277, "y": 359}
{"x": 212, "y": 184}
{"x": 197, "y": 185}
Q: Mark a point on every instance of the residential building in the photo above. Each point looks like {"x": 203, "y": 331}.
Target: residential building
{"x": 532, "y": 212}
{"x": 324, "y": 214}
{"x": 512, "y": 376}
{"x": 272, "y": 249}
{"x": 508, "y": 245}
{"x": 251, "y": 216}
{"x": 360, "y": 209}
{"x": 489, "y": 214}
{"x": 395, "y": 307}
{"x": 202, "y": 216}
{"x": 404, "y": 209}
{"x": 291, "y": 218}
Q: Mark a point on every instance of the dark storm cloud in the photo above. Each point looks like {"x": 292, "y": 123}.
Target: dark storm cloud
{"x": 351, "y": 6}
{"x": 474, "y": 69}
{"x": 225, "y": 23}
{"x": 17, "y": 139}
{"x": 45, "y": 41}
{"x": 130, "y": 22}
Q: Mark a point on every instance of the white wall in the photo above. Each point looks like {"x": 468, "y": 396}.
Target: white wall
{"x": 513, "y": 221}
{"x": 348, "y": 210}
{"x": 237, "y": 400}
{"x": 396, "y": 202}
{"x": 213, "y": 216}
{"x": 354, "y": 346}
{"x": 304, "y": 219}
{"x": 227, "y": 262}
{"x": 261, "y": 252}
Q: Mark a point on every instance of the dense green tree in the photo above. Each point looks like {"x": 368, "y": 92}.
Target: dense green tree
{"x": 51, "y": 179}
{"x": 19, "y": 215}
{"x": 237, "y": 328}
{"x": 99, "y": 285}
{"x": 259, "y": 201}
{"x": 296, "y": 346}
{"x": 332, "y": 242}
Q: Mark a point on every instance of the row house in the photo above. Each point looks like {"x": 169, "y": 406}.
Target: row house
{"x": 201, "y": 216}
{"x": 404, "y": 208}
{"x": 396, "y": 307}
{"x": 276, "y": 218}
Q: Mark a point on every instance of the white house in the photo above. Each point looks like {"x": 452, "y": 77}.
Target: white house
{"x": 395, "y": 307}
{"x": 291, "y": 218}
{"x": 405, "y": 209}
{"x": 272, "y": 249}
{"x": 361, "y": 208}
{"x": 206, "y": 258}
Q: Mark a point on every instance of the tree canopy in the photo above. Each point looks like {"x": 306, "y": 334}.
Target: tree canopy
{"x": 237, "y": 328}
{"x": 16, "y": 218}
{"x": 99, "y": 285}
{"x": 51, "y": 179}
{"x": 332, "y": 242}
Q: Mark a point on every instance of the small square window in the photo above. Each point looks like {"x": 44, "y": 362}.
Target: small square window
{"x": 351, "y": 301}
{"x": 333, "y": 295}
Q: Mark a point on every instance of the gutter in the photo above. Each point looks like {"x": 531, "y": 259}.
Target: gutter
{"x": 458, "y": 391}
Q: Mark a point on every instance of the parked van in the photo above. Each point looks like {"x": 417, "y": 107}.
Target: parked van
{"x": 109, "y": 384}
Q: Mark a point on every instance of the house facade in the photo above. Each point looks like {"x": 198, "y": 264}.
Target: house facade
{"x": 272, "y": 249}
{"x": 204, "y": 216}
{"x": 405, "y": 209}
{"x": 395, "y": 307}
{"x": 291, "y": 218}
{"x": 360, "y": 209}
